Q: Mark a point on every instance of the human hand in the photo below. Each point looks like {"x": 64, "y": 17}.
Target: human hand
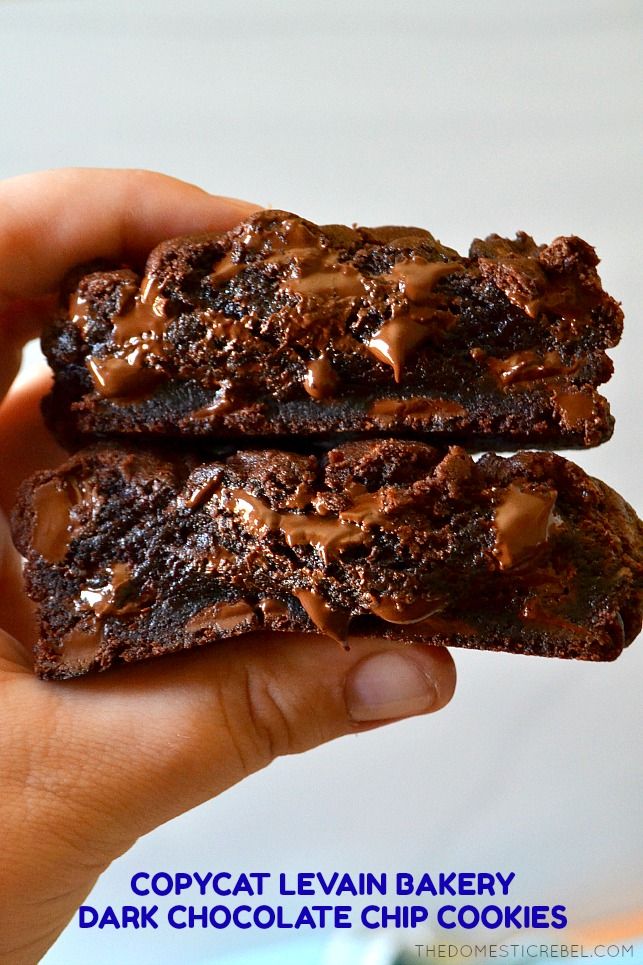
{"x": 90, "y": 765}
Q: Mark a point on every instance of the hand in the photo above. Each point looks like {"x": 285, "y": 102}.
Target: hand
{"x": 90, "y": 765}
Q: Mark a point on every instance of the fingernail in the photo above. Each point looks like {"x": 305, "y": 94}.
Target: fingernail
{"x": 386, "y": 686}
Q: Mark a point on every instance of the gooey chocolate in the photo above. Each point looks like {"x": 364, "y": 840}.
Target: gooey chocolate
{"x": 523, "y": 520}
{"x": 58, "y": 506}
{"x": 520, "y": 519}
{"x": 134, "y": 552}
{"x": 325, "y": 289}
{"x": 329, "y": 292}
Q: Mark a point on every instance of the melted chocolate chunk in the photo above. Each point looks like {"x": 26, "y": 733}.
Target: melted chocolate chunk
{"x": 416, "y": 612}
{"x": 57, "y": 507}
{"x": 79, "y": 648}
{"x": 320, "y": 380}
{"x": 222, "y": 616}
{"x": 522, "y": 522}
{"x": 329, "y": 536}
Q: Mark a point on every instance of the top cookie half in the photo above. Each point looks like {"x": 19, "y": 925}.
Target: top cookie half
{"x": 280, "y": 328}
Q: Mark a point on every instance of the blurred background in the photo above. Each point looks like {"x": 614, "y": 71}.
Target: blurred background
{"x": 465, "y": 118}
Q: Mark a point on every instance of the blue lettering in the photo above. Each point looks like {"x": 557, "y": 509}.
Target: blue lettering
{"x": 539, "y": 916}
{"x": 489, "y": 913}
{"x": 172, "y": 916}
{"x": 558, "y": 916}
{"x": 342, "y": 916}
{"x": 140, "y": 875}
{"x": 109, "y": 918}
{"x": 404, "y": 883}
{"x": 442, "y": 922}
{"x": 162, "y": 883}
{"x": 87, "y": 916}
{"x": 243, "y": 885}
{"x": 217, "y": 887}
{"x": 147, "y": 916}
{"x": 486, "y": 882}
{"x": 512, "y": 917}
{"x": 202, "y": 882}
{"x": 366, "y": 916}
{"x": 470, "y": 912}
{"x": 236, "y": 917}
{"x": 305, "y": 883}
{"x": 465, "y": 883}
{"x": 182, "y": 882}
{"x": 446, "y": 887}
{"x": 505, "y": 882}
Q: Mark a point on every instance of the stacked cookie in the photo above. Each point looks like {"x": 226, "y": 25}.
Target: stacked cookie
{"x": 273, "y": 429}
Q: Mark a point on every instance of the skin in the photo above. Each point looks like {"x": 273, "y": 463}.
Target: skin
{"x": 88, "y": 766}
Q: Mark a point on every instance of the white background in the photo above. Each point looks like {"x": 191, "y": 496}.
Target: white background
{"x": 466, "y": 118}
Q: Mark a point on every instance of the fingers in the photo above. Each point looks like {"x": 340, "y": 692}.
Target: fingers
{"x": 211, "y": 718}
{"x": 26, "y": 446}
{"x": 54, "y": 220}
{"x": 394, "y": 684}
{"x": 93, "y": 764}
{"x": 16, "y": 610}
{"x": 25, "y": 443}
{"x": 13, "y": 657}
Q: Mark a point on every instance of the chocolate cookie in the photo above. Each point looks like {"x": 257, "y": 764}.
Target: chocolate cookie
{"x": 132, "y": 553}
{"x": 282, "y": 328}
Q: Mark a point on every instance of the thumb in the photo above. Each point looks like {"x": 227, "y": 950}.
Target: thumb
{"x": 296, "y": 694}
{"x": 178, "y": 731}
{"x": 93, "y": 764}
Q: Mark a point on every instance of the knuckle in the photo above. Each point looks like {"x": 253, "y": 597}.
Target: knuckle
{"x": 269, "y": 718}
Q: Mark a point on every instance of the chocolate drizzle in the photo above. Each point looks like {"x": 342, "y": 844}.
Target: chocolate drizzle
{"x": 51, "y": 527}
{"x": 199, "y": 490}
{"x": 326, "y": 287}
{"x": 333, "y": 622}
{"x": 147, "y": 318}
{"x": 566, "y": 300}
{"x": 366, "y": 510}
{"x": 222, "y": 616}
{"x": 79, "y": 311}
{"x": 273, "y": 609}
{"x": 122, "y": 378}
{"x": 418, "y": 319}
{"x": 138, "y": 333}
{"x": 223, "y": 402}
{"x": 278, "y": 311}
{"x": 407, "y": 613}
{"x": 317, "y": 273}
{"x": 527, "y": 366}
{"x": 219, "y": 559}
{"x": 112, "y": 596}
{"x": 414, "y": 543}
{"x": 388, "y": 411}
{"x": 417, "y": 277}
{"x": 328, "y": 535}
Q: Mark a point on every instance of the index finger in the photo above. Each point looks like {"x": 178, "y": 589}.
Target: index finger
{"x": 54, "y": 220}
